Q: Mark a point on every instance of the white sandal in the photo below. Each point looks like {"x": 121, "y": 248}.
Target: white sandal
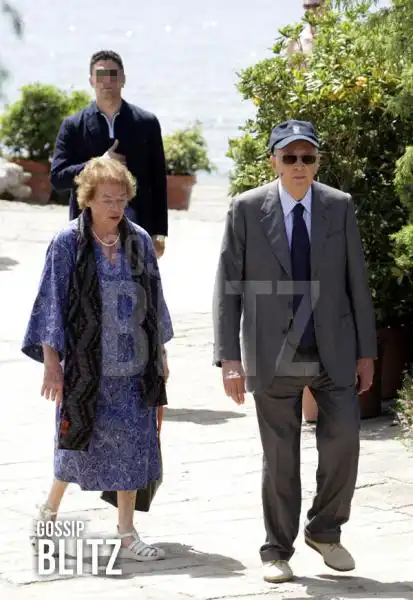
{"x": 138, "y": 550}
{"x": 45, "y": 514}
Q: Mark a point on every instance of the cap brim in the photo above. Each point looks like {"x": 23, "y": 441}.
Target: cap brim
{"x": 295, "y": 138}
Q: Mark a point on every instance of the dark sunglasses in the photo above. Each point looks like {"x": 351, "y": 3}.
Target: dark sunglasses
{"x": 101, "y": 73}
{"x": 306, "y": 159}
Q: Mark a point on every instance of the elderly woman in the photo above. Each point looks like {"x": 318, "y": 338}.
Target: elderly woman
{"x": 99, "y": 325}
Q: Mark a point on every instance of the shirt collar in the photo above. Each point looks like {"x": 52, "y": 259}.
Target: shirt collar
{"x": 288, "y": 202}
{"x": 96, "y": 108}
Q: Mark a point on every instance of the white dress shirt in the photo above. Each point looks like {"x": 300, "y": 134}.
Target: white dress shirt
{"x": 288, "y": 203}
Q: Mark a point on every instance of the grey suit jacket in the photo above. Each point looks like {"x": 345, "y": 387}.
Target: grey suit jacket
{"x": 252, "y": 298}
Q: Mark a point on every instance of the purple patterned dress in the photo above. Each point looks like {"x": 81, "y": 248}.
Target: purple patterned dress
{"x": 123, "y": 452}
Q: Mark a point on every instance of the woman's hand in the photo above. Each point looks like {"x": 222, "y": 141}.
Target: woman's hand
{"x": 159, "y": 245}
{"x": 52, "y": 388}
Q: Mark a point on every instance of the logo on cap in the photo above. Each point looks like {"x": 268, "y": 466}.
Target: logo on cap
{"x": 296, "y": 129}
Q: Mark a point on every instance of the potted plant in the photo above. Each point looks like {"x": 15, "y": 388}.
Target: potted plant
{"x": 185, "y": 155}
{"x": 28, "y": 130}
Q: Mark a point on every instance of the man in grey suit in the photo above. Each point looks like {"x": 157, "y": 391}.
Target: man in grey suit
{"x": 292, "y": 280}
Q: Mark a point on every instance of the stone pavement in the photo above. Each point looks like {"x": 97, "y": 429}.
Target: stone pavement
{"x": 207, "y": 515}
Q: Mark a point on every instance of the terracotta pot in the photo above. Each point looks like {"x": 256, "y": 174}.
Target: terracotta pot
{"x": 310, "y": 409}
{"x": 394, "y": 350}
{"x": 39, "y": 181}
{"x": 369, "y": 402}
{"x": 179, "y": 190}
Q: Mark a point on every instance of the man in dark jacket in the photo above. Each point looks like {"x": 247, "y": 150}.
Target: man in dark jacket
{"x": 112, "y": 127}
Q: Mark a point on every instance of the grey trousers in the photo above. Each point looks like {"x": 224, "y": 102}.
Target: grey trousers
{"x": 279, "y": 412}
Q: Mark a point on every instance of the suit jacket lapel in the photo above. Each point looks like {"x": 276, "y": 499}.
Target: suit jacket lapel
{"x": 94, "y": 130}
{"x": 274, "y": 227}
{"x": 320, "y": 222}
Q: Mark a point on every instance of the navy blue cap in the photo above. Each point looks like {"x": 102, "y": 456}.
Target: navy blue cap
{"x": 292, "y": 131}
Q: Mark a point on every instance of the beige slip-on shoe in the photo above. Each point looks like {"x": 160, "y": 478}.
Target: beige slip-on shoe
{"x": 335, "y": 555}
{"x": 277, "y": 571}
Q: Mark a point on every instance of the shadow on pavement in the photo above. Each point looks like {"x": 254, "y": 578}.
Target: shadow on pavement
{"x": 202, "y": 416}
{"x": 384, "y": 427}
{"x": 181, "y": 558}
{"x": 6, "y": 263}
{"x": 330, "y": 587}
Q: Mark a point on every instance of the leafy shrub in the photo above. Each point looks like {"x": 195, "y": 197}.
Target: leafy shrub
{"x": 403, "y": 180}
{"x": 186, "y": 152}
{"x": 29, "y": 126}
{"x": 77, "y": 100}
{"x": 404, "y": 404}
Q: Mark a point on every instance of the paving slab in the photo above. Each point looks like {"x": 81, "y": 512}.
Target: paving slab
{"x": 207, "y": 515}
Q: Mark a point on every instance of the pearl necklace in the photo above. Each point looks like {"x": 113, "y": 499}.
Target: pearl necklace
{"x": 105, "y": 243}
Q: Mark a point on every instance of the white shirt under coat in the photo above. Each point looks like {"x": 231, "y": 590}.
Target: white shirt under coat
{"x": 288, "y": 203}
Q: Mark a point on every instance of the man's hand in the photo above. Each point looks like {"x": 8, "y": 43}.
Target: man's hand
{"x": 112, "y": 154}
{"x": 159, "y": 245}
{"x": 233, "y": 378}
{"x": 365, "y": 373}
